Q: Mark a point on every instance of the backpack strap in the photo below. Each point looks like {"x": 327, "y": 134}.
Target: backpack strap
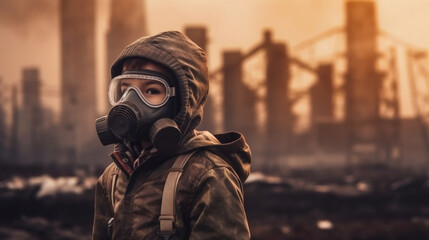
{"x": 112, "y": 190}
{"x": 111, "y": 185}
{"x": 166, "y": 219}
{"x": 111, "y": 195}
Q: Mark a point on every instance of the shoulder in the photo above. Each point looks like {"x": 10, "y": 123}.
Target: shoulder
{"x": 204, "y": 164}
{"x": 207, "y": 160}
{"x": 107, "y": 175}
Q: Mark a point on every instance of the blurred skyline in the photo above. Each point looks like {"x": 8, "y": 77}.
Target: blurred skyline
{"x": 334, "y": 106}
{"x": 29, "y": 32}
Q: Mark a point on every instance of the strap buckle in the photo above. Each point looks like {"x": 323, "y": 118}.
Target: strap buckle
{"x": 166, "y": 235}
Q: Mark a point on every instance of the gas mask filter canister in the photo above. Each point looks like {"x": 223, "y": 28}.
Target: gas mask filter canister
{"x": 143, "y": 109}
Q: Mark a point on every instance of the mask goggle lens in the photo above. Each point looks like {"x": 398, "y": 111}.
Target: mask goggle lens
{"x": 152, "y": 90}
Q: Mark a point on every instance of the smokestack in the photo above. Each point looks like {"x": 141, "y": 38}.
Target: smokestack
{"x": 78, "y": 78}
{"x": 30, "y": 125}
{"x": 127, "y": 24}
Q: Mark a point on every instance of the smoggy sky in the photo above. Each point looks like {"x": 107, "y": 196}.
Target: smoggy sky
{"x": 29, "y": 31}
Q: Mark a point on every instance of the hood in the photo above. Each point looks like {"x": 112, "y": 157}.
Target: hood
{"x": 189, "y": 64}
{"x": 232, "y": 147}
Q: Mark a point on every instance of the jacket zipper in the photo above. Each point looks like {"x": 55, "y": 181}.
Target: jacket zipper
{"x": 109, "y": 229}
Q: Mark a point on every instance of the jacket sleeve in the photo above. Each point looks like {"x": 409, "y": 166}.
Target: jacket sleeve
{"x": 218, "y": 212}
{"x": 102, "y": 213}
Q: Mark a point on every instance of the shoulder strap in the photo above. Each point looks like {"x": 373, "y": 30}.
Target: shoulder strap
{"x": 166, "y": 219}
{"x": 113, "y": 187}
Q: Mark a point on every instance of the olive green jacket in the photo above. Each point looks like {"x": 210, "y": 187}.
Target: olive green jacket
{"x": 209, "y": 197}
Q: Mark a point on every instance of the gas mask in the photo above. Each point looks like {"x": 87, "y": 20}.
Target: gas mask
{"x": 143, "y": 108}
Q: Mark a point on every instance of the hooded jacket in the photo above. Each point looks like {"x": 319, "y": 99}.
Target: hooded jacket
{"x": 209, "y": 196}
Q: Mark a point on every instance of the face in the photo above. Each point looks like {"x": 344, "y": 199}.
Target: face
{"x": 153, "y": 91}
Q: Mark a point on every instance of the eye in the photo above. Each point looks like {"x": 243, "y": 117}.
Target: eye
{"x": 124, "y": 86}
{"x": 152, "y": 91}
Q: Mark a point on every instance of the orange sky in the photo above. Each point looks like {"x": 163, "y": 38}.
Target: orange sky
{"x": 31, "y": 39}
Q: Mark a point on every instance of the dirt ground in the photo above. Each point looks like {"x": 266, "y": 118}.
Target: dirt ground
{"x": 392, "y": 204}
{"x": 375, "y": 203}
